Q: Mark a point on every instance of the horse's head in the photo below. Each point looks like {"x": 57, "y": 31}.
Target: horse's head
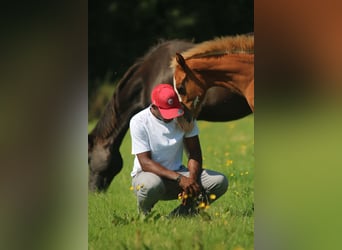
{"x": 189, "y": 86}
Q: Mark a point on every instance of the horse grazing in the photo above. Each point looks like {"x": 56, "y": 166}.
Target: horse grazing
{"x": 227, "y": 62}
{"x": 131, "y": 95}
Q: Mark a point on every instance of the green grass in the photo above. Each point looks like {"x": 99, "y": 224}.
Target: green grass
{"x": 113, "y": 221}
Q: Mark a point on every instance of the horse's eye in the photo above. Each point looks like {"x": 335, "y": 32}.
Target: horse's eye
{"x": 181, "y": 90}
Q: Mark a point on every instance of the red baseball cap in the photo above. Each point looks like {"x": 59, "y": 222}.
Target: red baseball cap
{"x": 166, "y": 99}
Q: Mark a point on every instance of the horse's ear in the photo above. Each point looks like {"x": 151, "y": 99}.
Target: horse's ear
{"x": 180, "y": 60}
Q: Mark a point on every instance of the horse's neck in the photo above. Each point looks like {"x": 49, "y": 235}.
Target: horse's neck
{"x": 109, "y": 129}
{"x": 233, "y": 71}
{"x": 114, "y": 122}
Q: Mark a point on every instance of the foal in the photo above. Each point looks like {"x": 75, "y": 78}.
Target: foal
{"x": 227, "y": 62}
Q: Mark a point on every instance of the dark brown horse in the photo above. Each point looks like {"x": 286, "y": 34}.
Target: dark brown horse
{"x": 131, "y": 95}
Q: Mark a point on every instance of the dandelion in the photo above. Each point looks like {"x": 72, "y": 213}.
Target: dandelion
{"x": 241, "y": 173}
{"x": 131, "y": 188}
{"x": 200, "y": 202}
{"x": 212, "y": 197}
{"x": 246, "y": 172}
{"x": 232, "y": 174}
{"x": 202, "y": 205}
{"x": 229, "y": 162}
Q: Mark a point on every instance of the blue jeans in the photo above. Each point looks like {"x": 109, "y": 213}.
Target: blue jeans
{"x": 150, "y": 188}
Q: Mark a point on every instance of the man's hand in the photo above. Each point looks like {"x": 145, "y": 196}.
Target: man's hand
{"x": 190, "y": 186}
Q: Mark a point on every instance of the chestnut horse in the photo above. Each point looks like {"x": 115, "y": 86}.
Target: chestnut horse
{"x": 131, "y": 95}
{"x": 227, "y": 62}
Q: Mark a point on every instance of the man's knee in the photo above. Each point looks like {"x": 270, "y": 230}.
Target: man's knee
{"x": 223, "y": 183}
{"x": 219, "y": 184}
{"x": 150, "y": 185}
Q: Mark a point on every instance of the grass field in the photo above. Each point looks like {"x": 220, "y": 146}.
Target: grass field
{"x": 113, "y": 222}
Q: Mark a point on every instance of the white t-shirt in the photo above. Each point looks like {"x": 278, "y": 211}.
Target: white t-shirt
{"x": 164, "y": 140}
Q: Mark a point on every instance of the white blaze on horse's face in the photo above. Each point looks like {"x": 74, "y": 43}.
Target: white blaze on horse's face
{"x": 175, "y": 87}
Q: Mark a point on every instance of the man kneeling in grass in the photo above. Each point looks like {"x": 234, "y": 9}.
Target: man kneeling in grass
{"x": 157, "y": 143}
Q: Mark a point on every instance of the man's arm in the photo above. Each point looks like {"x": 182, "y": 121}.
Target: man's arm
{"x": 191, "y": 185}
{"x": 149, "y": 165}
{"x": 194, "y": 156}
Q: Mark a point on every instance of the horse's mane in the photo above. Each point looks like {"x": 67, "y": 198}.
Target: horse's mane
{"x": 105, "y": 124}
{"x": 218, "y": 46}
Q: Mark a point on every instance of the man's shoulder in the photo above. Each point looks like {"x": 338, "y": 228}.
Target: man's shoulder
{"x": 140, "y": 116}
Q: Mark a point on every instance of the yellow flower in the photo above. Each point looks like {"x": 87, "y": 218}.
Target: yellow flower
{"x": 229, "y": 162}
{"x": 201, "y": 205}
{"x": 131, "y": 188}
{"x": 185, "y": 196}
{"x": 246, "y": 172}
{"x": 212, "y": 197}
{"x": 139, "y": 187}
{"x": 232, "y": 174}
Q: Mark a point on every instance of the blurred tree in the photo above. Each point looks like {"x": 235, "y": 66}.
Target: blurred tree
{"x": 121, "y": 31}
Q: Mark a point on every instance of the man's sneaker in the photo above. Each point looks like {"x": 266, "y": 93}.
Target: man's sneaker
{"x": 189, "y": 209}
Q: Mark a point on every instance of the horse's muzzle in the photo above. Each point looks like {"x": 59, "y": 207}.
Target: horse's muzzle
{"x": 188, "y": 114}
